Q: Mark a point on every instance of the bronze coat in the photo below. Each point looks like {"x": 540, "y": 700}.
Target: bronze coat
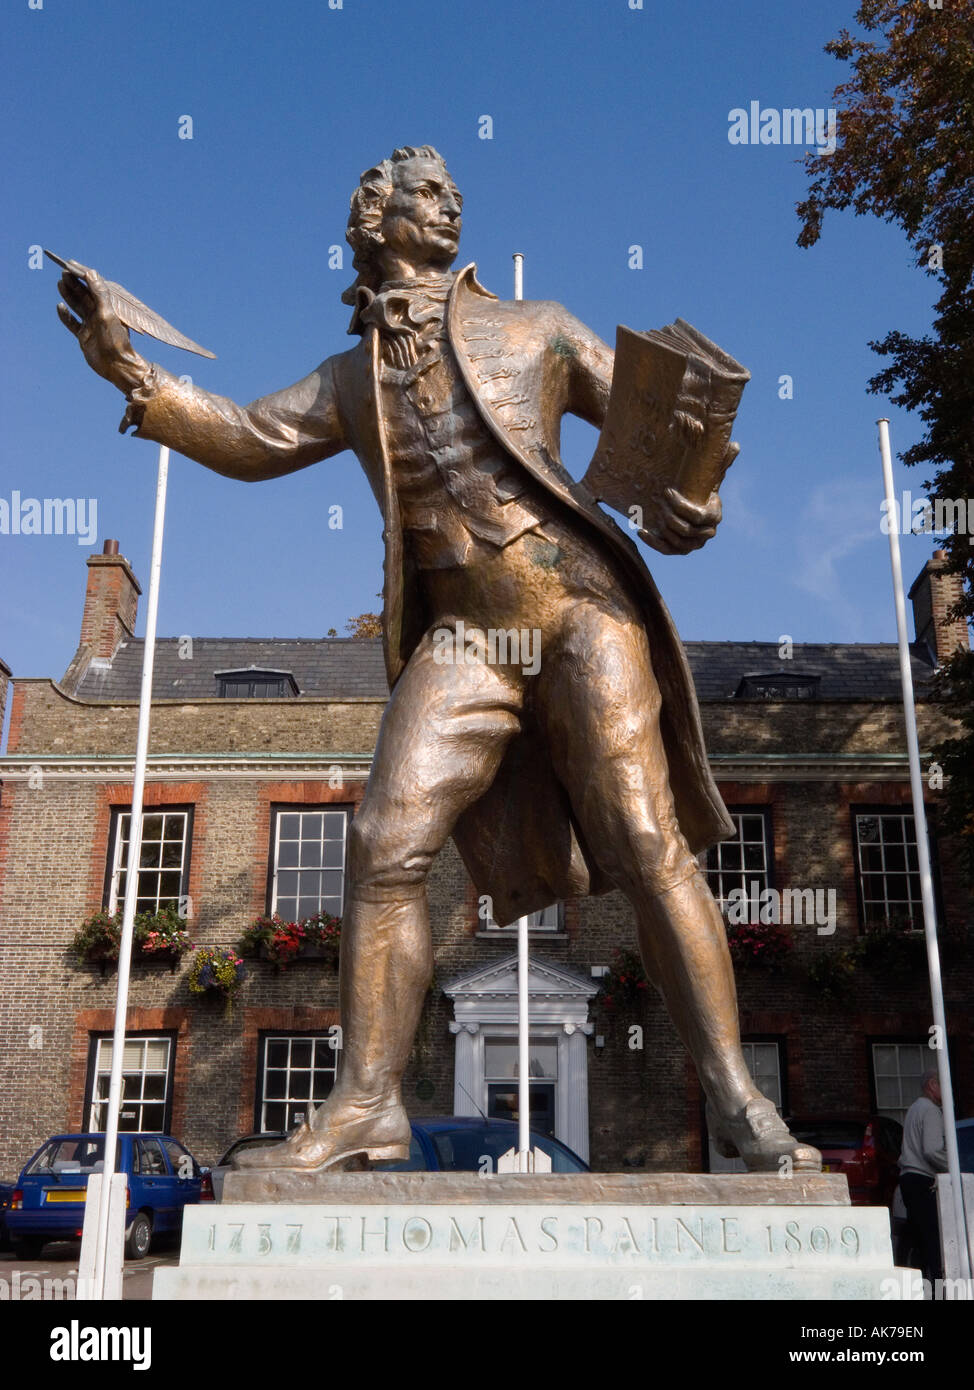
{"x": 525, "y": 363}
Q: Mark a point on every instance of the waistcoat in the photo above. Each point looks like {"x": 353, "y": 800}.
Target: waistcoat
{"x": 460, "y": 495}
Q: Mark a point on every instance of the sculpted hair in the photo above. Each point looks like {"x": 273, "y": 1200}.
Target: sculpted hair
{"x": 365, "y": 218}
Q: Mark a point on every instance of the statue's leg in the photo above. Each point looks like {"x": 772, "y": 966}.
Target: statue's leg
{"x": 442, "y": 739}
{"x": 601, "y": 708}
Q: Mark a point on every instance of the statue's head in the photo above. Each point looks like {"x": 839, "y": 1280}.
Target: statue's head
{"x": 407, "y": 207}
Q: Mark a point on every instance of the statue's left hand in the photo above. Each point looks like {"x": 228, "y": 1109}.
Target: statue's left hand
{"x": 680, "y": 525}
{"x": 101, "y": 334}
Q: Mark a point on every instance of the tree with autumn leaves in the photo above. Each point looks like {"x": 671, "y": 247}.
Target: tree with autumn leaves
{"x": 362, "y": 625}
{"x": 905, "y": 153}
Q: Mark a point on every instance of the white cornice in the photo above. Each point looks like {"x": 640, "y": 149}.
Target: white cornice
{"x": 177, "y": 767}
{"x": 738, "y": 767}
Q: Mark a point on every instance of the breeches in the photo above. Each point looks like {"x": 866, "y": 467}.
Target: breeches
{"x": 588, "y": 693}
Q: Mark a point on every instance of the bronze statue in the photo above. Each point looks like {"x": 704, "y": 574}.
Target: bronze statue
{"x": 571, "y": 775}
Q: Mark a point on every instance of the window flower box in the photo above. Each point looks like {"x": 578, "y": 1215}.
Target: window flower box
{"x": 760, "y": 945}
{"x": 272, "y": 939}
{"x": 159, "y": 938}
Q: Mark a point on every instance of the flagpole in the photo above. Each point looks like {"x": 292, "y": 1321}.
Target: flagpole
{"x": 523, "y": 1003}
{"x": 518, "y": 275}
{"x": 923, "y": 853}
{"x": 102, "y": 1253}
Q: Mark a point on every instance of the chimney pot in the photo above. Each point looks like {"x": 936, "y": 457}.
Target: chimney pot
{"x": 110, "y": 548}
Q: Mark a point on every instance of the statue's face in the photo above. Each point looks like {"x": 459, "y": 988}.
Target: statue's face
{"x": 421, "y": 220}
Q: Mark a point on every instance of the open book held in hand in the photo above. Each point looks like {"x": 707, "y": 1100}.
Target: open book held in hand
{"x": 671, "y": 411}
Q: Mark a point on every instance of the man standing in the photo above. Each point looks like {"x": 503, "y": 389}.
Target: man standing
{"x": 922, "y": 1157}
{"x": 573, "y": 774}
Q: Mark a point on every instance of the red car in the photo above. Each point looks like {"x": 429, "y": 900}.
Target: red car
{"x": 865, "y": 1148}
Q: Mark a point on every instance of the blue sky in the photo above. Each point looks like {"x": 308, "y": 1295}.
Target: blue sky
{"x": 609, "y": 130}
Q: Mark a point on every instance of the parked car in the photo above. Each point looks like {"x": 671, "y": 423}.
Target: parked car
{"x": 246, "y": 1141}
{"x": 472, "y": 1144}
{"x": 49, "y": 1200}
{"x": 441, "y": 1143}
{"x": 866, "y": 1149}
{"x": 6, "y": 1192}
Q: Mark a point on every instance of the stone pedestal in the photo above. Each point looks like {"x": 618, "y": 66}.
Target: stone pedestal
{"x": 516, "y": 1236}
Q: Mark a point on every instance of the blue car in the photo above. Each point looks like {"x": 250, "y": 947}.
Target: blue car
{"x": 439, "y": 1144}
{"x": 472, "y": 1144}
{"x": 48, "y": 1202}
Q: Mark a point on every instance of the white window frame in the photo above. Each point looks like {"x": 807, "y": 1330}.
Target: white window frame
{"x": 120, "y": 845}
{"x": 276, "y": 869}
{"x": 724, "y": 880}
{"x": 326, "y": 1044}
{"x": 135, "y": 1059}
{"x": 537, "y": 1036}
{"x": 907, "y": 1091}
{"x": 914, "y": 903}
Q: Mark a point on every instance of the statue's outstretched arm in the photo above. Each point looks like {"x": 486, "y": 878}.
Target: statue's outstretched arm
{"x": 272, "y": 436}
{"x": 277, "y": 434}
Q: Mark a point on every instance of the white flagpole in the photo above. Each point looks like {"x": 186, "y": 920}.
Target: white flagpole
{"x": 523, "y": 1005}
{"x": 523, "y": 1049}
{"x": 923, "y": 853}
{"x": 102, "y": 1270}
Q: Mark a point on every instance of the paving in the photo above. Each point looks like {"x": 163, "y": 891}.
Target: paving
{"x": 54, "y": 1275}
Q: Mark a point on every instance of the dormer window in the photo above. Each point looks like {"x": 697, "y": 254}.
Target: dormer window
{"x": 778, "y": 686}
{"x": 255, "y": 683}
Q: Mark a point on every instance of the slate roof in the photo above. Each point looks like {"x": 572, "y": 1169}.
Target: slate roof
{"x": 344, "y": 668}
{"x": 846, "y": 670}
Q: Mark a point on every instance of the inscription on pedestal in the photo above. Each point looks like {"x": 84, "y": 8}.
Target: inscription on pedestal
{"x": 604, "y": 1235}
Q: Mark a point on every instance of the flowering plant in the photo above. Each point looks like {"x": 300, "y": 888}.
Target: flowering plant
{"x": 282, "y": 941}
{"x": 156, "y": 934}
{"x": 759, "y": 943}
{"x": 215, "y": 969}
{"x": 98, "y": 937}
{"x": 161, "y": 932}
{"x": 626, "y": 982}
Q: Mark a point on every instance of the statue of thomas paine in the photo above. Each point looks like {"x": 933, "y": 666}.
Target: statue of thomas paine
{"x": 584, "y": 775}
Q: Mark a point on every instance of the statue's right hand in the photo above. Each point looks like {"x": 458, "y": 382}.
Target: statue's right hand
{"x": 102, "y": 335}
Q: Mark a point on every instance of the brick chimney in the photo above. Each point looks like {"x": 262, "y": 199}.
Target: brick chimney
{"x": 111, "y": 603}
{"x": 933, "y": 592}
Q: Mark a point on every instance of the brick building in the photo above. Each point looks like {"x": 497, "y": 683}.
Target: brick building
{"x": 259, "y": 754}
